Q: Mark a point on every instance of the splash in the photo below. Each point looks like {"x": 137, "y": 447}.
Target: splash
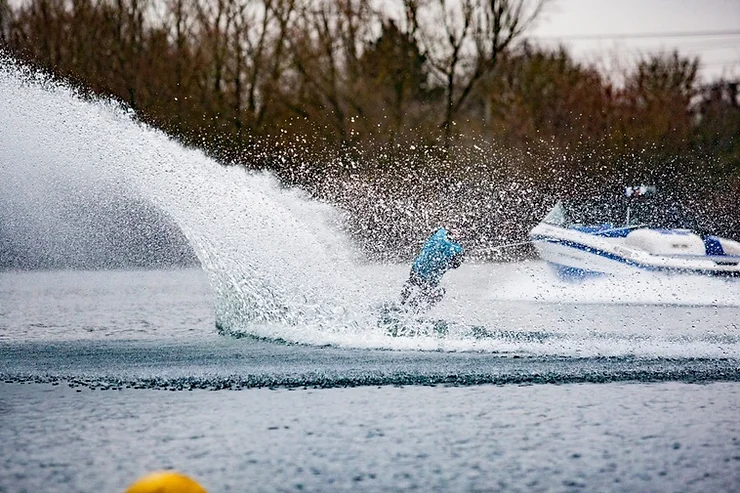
{"x": 536, "y": 281}
{"x": 281, "y": 268}
{"x": 274, "y": 257}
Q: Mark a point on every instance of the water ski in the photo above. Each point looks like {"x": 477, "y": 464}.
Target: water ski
{"x": 400, "y": 320}
{"x": 417, "y": 300}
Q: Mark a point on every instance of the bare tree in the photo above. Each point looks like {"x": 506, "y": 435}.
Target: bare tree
{"x": 181, "y": 26}
{"x": 5, "y": 20}
{"x": 475, "y": 33}
{"x": 325, "y": 51}
{"x": 260, "y": 33}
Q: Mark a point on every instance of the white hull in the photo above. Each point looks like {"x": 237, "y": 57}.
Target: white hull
{"x": 578, "y": 254}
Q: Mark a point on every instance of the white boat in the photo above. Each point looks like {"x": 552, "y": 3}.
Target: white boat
{"x": 585, "y": 238}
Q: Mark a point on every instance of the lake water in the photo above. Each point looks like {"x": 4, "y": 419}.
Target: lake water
{"x": 111, "y": 374}
{"x": 277, "y": 367}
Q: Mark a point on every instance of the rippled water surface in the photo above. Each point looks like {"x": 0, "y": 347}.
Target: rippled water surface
{"x": 579, "y": 437}
{"x": 578, "y": 395}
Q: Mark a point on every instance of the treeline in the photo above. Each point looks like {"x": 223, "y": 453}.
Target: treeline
{"x": 404, "y": 111}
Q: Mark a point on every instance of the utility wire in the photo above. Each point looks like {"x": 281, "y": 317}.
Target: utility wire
{"x": 683, "y": 34}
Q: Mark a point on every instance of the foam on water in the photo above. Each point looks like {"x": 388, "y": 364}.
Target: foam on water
{"x": 280, "y": 268}
{"x": 535, "y": 281}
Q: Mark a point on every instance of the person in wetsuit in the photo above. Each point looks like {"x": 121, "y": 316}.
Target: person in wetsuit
{"x": 440, "y": 253}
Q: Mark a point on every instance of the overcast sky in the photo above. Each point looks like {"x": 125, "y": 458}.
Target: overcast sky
{"x": 566, "y": 20}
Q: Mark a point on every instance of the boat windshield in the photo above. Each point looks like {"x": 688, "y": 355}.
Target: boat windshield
{"x": 557, "y": 216}
{"x": 618, "y": 213}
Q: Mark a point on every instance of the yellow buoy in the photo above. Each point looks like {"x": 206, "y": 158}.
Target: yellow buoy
{"x": 165, "y": 482}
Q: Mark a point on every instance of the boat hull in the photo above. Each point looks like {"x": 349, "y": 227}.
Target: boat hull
{"x": 578, "y": 255}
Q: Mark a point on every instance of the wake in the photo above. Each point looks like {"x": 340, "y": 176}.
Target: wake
{"x": 280, "y": 267}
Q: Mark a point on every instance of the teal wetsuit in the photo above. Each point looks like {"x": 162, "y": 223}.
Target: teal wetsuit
{"x": 438, "y": 255}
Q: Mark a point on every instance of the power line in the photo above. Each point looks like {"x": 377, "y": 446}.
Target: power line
{"x": 680, "y": 34}
{"x": 682, "y": 49}
{"x": 723, "y": 63}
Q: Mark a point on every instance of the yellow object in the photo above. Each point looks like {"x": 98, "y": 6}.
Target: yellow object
{"x": 165, "y": 482}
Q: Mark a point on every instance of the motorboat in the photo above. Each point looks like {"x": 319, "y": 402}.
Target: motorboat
{"x": 583, "y": 238}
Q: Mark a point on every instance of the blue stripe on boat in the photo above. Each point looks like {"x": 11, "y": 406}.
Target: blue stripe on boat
{"x": 599, "y": 252}
{"x": 632, "y": 263}
{"x": 573, "y": 273}
{"x": 712, "y": 246}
